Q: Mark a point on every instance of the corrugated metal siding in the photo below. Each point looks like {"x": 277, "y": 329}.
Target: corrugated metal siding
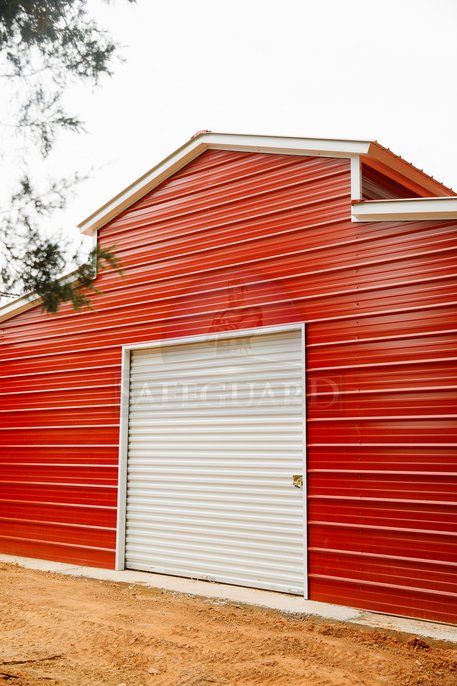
{"x": 237, "y": 240}
{"x": 378, "y": 186}
{"x": 216, "y": 432}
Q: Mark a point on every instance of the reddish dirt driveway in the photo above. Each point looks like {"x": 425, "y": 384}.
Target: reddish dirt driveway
{"x": 71, "y": 631}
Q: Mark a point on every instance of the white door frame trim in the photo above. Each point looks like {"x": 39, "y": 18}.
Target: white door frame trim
{"x": 123, "y": 429}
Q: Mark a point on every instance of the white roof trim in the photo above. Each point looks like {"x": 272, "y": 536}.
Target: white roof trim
{"x": 284, "y": 144}
{"x": 25, "y": 302}
{"x": 405, "y": 209}
{"x": 219, "y": 141}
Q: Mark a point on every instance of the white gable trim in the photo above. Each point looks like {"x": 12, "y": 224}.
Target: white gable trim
{"x": 405, "y": 209}
{"x": 25, "y": 302}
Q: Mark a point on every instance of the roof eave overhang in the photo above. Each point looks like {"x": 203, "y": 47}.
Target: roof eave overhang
{"x": 17, "y": 306}
{"x": 422, "y": 209}
{"x": 387, "y": 162}
{"x": 29, "y": 300}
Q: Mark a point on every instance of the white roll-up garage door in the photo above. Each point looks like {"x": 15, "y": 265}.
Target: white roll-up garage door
{"x": 215, "y": 437}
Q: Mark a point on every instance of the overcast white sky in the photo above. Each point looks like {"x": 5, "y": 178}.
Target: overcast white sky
{"x": 331, "y": 68}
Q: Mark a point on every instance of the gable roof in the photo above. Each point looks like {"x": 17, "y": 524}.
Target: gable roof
{"x": 369, "y": 152}
{"x": 442, "y": 204}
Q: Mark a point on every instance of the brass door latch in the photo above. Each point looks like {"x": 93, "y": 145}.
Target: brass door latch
{"x": 297, "y": 480}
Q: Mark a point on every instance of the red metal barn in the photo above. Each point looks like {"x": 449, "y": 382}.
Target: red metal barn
{"x": 168, "y": 430}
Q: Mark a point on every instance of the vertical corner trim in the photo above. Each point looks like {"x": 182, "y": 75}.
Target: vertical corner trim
{"x": 122, "y": 469}
{"x": 356, "y": 178}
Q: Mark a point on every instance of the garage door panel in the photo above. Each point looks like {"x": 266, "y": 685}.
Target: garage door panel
{"x": 237, "y": 528}
{"x": 245, "y": 498}
{"x": 239, "y": 442}
{"x": 230, "y": 455}
{"x": 238, "y": 574}
{"x": 216, "y": 431}
{"x": 238, "y": 510}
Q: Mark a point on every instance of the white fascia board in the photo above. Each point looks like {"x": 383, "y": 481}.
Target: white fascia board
{"x": 219, "y": 141}
{"x": 405, "y": 209}
{"x": 18, "y": 305}
{"x": 288, "y": 145}
{"x": 26, "y": 302}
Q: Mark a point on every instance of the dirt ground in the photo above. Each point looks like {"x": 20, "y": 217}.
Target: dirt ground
{"x": 69, "y": 631}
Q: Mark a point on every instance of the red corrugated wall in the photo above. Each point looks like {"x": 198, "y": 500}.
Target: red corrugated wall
{"x": 378, "y": 186}
{"x": 379, "y": 302}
